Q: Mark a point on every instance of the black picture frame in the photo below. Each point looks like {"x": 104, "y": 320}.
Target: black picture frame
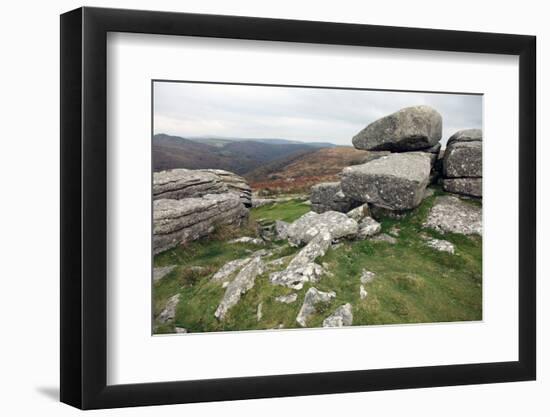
{"x": 84, "y": 207}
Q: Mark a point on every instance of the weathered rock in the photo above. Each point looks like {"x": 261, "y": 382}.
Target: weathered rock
{"x": 181, "y": 221}
{"x": 384, "y": 238}
{"x": 313, "y": 296}
{"x": 463, "y": 159}
{"x": 368, "y": 227}
{"x": 451, "y": 214}
{"x": 225, "y": 272}
{"x": 161, "y": 272}
{"x": 359, "y": 213}
{"x": 343, "y": 316}
{"x": 441, "y": 245}
{"x": 408, "y": 129}
{"x": 310, "y": 224}
{"x": 466, "y": 135}
{"x": 466, "y": 186}
{"x": 176, "y": 184}
{"x": 380, "y": 213}
{"x": 180, "y": 330}
{"x": 169, "y": 312}
{"x": 362, "y": 292}
{"x": 328, "y": 196}
{"x": 395, "y": 182}
{"x": 248, "y": 239}
{"x": 287, "y": 299}
{"x": 302, "y": 267}
{"x": 243, "y": 282}
{"x": 281, "y": 229}
{"x": 367, "y": 276}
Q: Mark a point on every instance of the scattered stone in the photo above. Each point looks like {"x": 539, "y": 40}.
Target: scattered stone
{"x": 463, "y": 159}
{"x": 441, "y": 245}
{"x": 249, "y": 240}
{"x": 362, "y": 292}
{"x": 161, "y": 272}
{"x": 359, "y": 213}
{"x": 384, "y": 238}
{"x": 313, "y": 296}
{"x": 368, "y": 227}
{"x": 169, "y": 312}
{"x": 181, "y": 221}
{"x": 281, "y": 229}
{"x": 394, "y": 231}
{"x": 180, "y": 330}
{"x": 343, "y": 316}
{"x": 409, "y": 129}
{"x": 338, "y": 225}
{"x": 287, "y": 299}
{"x": 328, "y": 196}
{"x": 367, "y": 276}
{"x": 259, "y": 314}
{"x": 451, "y": 214}
{"x": 224, "y": 274}
{"x": 467, "y": 186}
{"x": 243, "y": 282}
{"x": 395, "y": 182}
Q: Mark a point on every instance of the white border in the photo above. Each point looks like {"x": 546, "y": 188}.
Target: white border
{"x": 134, "y": 356}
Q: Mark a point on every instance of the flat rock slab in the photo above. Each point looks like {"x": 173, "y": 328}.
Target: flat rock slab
{"x": 451, "y": 214}
{"x": 287, "y": 299}
{"x": 338, "y": 225}
{"x": 441, "y": 245}
{"x": 395, "y": 182}
{"x": 313, "y": 296}
{"x": 161, "y": 272}
{"x": 343, "y": 316}
{"x": 408, "y": 129}
{"x": 242, "y": 283}
{"x": 472, "y": 187}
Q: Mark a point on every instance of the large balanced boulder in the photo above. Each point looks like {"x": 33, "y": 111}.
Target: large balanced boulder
{"x": 328, "y": 196}
{"x": 409, "y": 129}
{"x": 338, "y": 225}
{"x": 177, "y": 184}
{"x": 395, "y": 182}
{"x": 181, "y": 221}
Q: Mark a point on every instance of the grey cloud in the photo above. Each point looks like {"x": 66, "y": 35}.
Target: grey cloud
{"x": 307, "y": 114}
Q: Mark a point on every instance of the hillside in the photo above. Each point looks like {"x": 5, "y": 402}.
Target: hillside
{"x": 171, "y": 152}
{"x": 299, "y": 171}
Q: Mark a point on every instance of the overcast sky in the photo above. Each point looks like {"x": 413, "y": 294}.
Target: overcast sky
{"x": 305, "y": 114}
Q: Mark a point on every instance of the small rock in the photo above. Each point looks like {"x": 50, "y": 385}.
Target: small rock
{"x": 287, "y": 299}
{"x": 161, "y": 272}
{"x": 224, "y": 273}
{"x": 259, "y": 311}
{"x": 313, "y": 296}
{"x": 384, "y": 238}
{"x": 394, "y": 231}
{"x": 169, "y": 312}
{"x": 338, "y": 225}
{"x": 367, "y": 276}
{"x": 362, "y": 292}
{"x": 368, "y": 227}
{"x": 343, "y": 316}
{"x": 441, "y": 245}
{"x": 249, "y": 240}
{"x": 180, "y": 330}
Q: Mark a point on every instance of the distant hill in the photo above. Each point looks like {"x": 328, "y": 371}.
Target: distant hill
{"x": 298, "y": 172}
{"x": 220, "y": 141}
{"x": 239, "y": 156}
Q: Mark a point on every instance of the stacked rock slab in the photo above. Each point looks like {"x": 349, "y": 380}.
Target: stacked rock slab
{"x": 462, "y": 163}
{"x": 328, "y": 196}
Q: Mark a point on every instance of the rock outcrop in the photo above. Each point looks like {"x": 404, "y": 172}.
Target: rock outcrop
{"x": 328, "y": 196}
{"x": 462, "y": 165}
{"x": 395, "y": 182}
{"x": 451, "y": 214}
{"x": 169, "y": 313}
{"x": 408, "y": 129}
{"x": 343, "y": 316}
{"x": 310, "y": 224}
{"x": 177, "y": 184}
{"x": 181, "y": 221}
{"x": 313, "y": 296}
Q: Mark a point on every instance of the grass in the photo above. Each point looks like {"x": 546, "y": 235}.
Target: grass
{"x": 413, "y": 284}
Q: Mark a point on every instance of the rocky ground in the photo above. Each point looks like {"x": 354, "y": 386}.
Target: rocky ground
{"x": 396, "y": 239}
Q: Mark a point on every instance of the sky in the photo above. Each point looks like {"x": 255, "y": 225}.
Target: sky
{"x": 304, "y": 114}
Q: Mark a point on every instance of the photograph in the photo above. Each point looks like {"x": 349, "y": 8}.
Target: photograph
{"x": 292, "y": 207}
